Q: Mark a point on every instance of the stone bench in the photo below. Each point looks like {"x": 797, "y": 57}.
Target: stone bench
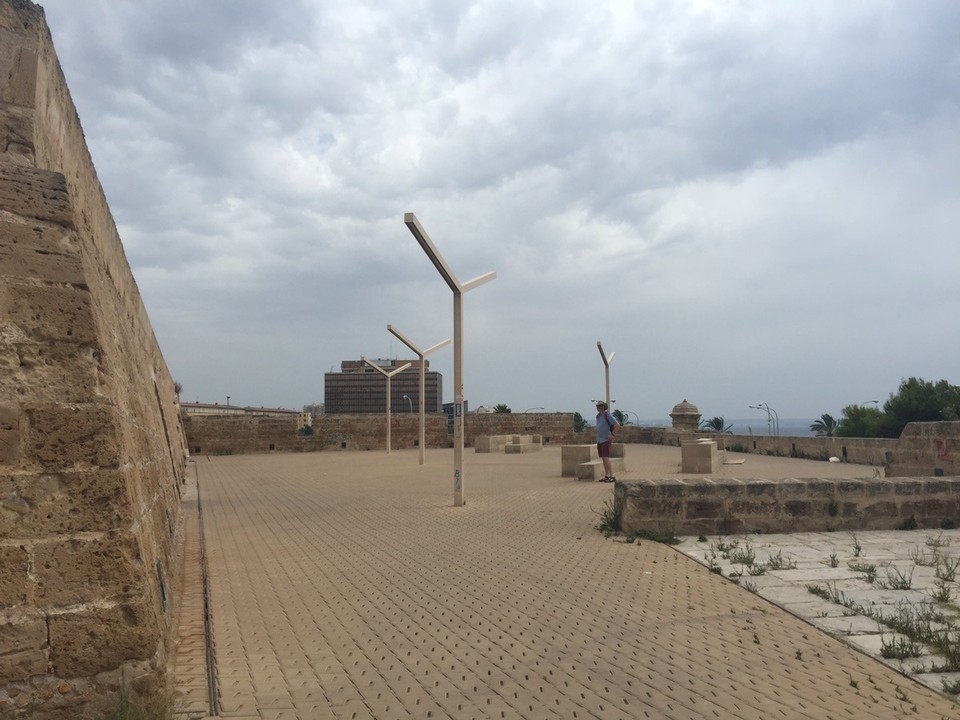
{"x": 583, "y": 463}
{"x": 510, "y": 444}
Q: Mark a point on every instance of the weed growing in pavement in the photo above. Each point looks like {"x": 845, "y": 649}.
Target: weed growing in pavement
{"x": 943, "y": 591}
{"x": 951, "y": 687}
{"x": 776, "y": 562}
{"x": 743, "y": 556}
{"x": 868, "y": 569}
{"x": 756, "y": 570}
{"x": 919, "y": 557}
{"x": 750, "y": 585}
{"x": 609, "y": 519}
{"x": 937, "y": 542}
{"x": 158, "y": 707}
{"x": 833, "y": 561}
{"x": 857, "y": 547}
{"x": 896, "y": 580}
{"x": 899, "y": 648}
{"x": 819, "y": 591}
{"x": 946, "y": 568}
{"x": 666, "y": 536}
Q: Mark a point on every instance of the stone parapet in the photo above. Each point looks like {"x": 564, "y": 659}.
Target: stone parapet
{"x": 724, "y": 507}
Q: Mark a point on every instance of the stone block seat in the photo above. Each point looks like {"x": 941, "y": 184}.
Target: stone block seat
{"x": 509, "y": 444}
{"x": 583, "y": 463}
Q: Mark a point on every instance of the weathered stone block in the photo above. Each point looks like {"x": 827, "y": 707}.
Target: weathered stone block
{"x": 9, "y": 436}
{"x": 23, "y": 664}
{"x": 907, "y": 486}
{"x": 14, "y": 580}
{"x": 65, "y": 503}
{"x": 16, "y": 136}
{"x": 34, "y": 193}
{"x": 697, "y": 509}
{"x": 73, "y": 571}
{"x": 761, "y": 488}
{"x": 49, "y": 313}
{"x": 48, "y": 372}
{"x": 86, "y": 643}
{"x": 799, "y": 508}
{"x": 26, "y": 635}
{"x": 62, "y": 436}
{"x": 40, "y": 252}
{"x": 879, "y": 510}
{"x": 698, "y": 457}
{"x": 879, "y": 488}
{"x": 754, "y": 508}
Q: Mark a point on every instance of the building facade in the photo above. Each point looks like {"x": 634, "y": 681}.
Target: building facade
{"x": 358, "y": 388}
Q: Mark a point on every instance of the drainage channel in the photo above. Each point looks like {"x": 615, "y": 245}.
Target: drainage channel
{"x": 211, "y": 657}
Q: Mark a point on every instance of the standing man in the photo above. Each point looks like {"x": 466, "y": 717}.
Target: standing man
{"x": 607, "y": 426}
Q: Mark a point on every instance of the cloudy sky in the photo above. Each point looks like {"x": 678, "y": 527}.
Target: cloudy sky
{"x": 747, "y": 202}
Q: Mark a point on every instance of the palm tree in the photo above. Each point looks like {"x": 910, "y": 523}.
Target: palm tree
{"x": 502, "y": 408}
{"x": 826, "y": 426}
{"x": 716, "y": 424}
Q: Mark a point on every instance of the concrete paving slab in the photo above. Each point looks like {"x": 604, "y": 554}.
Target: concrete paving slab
{"x": 356, "y": 570}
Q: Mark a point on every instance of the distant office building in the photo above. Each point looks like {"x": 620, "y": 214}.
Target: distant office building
{"x": 358, "y": 388}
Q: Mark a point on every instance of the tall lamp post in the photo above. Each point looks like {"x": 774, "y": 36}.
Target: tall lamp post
{"x": 422, "y": 401}
{"x": 388, "y": 376}
{"x": 458, "y": 288}
{"x": 606, "y": 369}
{"x": 771, "y": 417}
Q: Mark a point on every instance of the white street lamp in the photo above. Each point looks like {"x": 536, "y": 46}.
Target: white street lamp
{"x": 606, "y": 368}
{"x": 410, "y": 220}
{"x": 422, "y": 402}
{"x": 388, "y": 376}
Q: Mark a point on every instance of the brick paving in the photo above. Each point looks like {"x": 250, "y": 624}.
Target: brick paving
{"x": 346, "y": 585}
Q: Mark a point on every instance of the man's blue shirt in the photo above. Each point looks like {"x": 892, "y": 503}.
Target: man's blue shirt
{"x": 605, "y": 424}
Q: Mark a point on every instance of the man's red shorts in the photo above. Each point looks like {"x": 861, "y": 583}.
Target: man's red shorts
{"x": 604, "y": 448}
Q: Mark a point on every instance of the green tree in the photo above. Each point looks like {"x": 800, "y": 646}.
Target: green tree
{"x": 859, "y": 421}
{"x": 826, "y": 426}
{"x": 579, "y": 424}
{"x": 620, "y": 417}
{"x": 716, "y": 424}
{"x": 501, "y": 408}
{"x": 916, "y": 400}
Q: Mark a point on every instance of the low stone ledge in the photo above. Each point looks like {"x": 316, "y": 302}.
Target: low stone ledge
{"x": 731, "y": 506}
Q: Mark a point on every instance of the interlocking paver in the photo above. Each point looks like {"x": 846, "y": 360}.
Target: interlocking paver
{"x": 347, "y": 585}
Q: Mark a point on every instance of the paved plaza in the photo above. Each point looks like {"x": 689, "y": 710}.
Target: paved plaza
{"x": 346, "y": 585}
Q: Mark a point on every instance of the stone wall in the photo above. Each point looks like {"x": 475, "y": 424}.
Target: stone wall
{"x": 91, "y": 443}
{"x": 724, "y": 507}
{"x": 923, "y": 449}
{"x": 234, "y": 435}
